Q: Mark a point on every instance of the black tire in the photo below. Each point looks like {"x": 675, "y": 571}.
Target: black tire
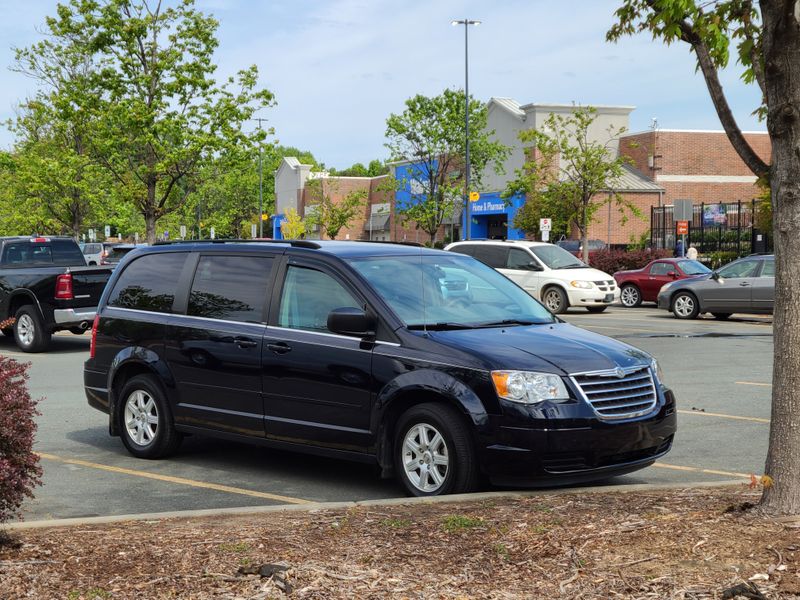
{"x": 460, "y": 474}
{"x": 29, "y": 331}
{"x": 555, "y": 300}
{"x": 685, "y": 305}
{"x": 722, "y": 316}
{"x": 596, "y": 309}
{"x": 77, "y": 330}
{"x": 153, "y": 443}
{"x": 630, "y": 295}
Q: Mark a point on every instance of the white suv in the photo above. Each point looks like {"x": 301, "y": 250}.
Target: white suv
{"x": 546, "y": 272}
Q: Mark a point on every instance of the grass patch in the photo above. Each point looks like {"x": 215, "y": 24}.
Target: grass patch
{"x": 396, "y": 523}
{"x": 238, "y": 547}
{"x": 454, "y": 523}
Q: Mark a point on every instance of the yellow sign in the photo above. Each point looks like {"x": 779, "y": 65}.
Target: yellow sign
{"x": 265, "y": 217}
{"x": 474, "y": 196}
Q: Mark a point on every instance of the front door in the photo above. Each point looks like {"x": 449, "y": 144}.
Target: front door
{"x": 214, "y": 351}
{"x": 658, "y": 276}
{"x": 733, "y": 291}
{"x": 519, "y": 269}
{"x": 317, "y": 384}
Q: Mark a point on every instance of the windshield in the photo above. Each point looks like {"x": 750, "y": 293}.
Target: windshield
{"x": 449, "y": 292}
{"x": 692, "y": 267}
{"x": 556, "y": 258}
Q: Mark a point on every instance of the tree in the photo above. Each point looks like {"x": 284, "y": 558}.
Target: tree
{"x": 429, "y": 136}
{"x": 293, "y": 227}
{"x": 566, "y": 171}
{"x": 331, "y": 215}
{"x": 374, "y": 169}
{"x": 767, "y": 45}
{"x": 159, "y": 110}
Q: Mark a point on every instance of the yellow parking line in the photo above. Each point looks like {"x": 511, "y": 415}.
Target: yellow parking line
{"x": 754, "y": 383}
{"x": 587, "y": 326}
{"x": 179, "y": 480}
{"x": 722, "y": 416}
{"x": 661, "y": 465}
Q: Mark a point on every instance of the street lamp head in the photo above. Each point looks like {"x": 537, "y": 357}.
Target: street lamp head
{"x": 465, "y": 22}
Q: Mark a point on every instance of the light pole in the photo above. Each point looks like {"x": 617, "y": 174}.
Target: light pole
{"x": 260, "y": 186}
{"x": 467, "y": 217}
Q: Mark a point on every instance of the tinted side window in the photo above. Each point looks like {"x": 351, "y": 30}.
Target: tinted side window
{"x": 661, "y": 268}
{"x": 67, "y": 252}
{"x": 233, "y": 288}
{"x": 308, "y": 296}
{"x": 468, "y": 249}
{"x": 518, "y": 259}
{"x": 494, "y": 256}
{"x": 149, "y": 283}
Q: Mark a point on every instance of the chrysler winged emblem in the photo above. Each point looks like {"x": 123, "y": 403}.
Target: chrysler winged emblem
{"x": 619, "y": 372}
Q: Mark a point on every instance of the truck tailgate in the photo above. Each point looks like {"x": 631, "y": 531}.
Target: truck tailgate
{"x": 88, "y": 284}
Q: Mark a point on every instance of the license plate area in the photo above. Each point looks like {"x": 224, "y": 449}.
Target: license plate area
{"x": 608, "y": 298}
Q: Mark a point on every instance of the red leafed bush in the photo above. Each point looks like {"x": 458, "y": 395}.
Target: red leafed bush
{"x": 611, "y": 261}
{"x": 19, "y": 465}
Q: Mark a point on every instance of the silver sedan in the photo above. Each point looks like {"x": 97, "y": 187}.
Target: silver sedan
{"x": 746, "y": 285}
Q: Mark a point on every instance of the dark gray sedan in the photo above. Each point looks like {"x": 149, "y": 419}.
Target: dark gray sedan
{"x": 746, "y": 285}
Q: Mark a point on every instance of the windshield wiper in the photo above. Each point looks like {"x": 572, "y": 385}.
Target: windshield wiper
{"x": 579, "y": 266}
{"x": 441, "y": 326}
{"x": 512, "y": 322}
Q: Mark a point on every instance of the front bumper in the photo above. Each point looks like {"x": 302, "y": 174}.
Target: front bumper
{"x": 582, "y": 452}
{"x": 663, "y": 300}
{"x": 592, "y": 296}
{"x": 65, "y": 317}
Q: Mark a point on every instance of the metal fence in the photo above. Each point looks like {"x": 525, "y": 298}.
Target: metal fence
{"x": 714, "y": 228}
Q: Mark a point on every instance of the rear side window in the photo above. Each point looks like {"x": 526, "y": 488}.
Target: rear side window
{"x": 494, "y": 256}
{"x": 149, "y": 283}
{"x": 233, "y": 288}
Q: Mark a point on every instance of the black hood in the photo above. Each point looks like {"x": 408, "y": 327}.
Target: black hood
{"x": 556, "y": 348}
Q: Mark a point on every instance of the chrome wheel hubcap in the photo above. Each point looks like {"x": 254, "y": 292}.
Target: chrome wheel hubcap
{"x": 552, "y": 301}
{"x": 141, "y": 418}
{"x": 425, "y": 457}
{"x": 26, "y": 329}
{"x": 684, "y": 305}
{"x": 629, "y": 296}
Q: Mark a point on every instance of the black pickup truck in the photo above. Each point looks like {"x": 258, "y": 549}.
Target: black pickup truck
{"x": 45, "y": 286}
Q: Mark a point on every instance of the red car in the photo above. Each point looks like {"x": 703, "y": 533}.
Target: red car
{"x": 642, "y": 285}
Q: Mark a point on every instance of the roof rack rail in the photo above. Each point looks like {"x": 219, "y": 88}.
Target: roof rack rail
{"x": 415, "y": 244}
{"x": 293, "y": 243}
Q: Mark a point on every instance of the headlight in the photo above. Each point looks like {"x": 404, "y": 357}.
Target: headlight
{"x": 526, "y": 387}
{"x": 584, "y": 285}
{"x": 664, "y": 288}
{"x": 657, "y": 370}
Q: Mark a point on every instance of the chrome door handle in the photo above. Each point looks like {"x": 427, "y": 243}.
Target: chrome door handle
{"x": 244, "y": 342}
{"x": 280, "y": 348}
{"x": 744, "y": 284}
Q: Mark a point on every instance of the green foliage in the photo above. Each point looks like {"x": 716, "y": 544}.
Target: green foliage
{"x": 374, "y": 169}
{"x": 763, "y": 216}
{"x": 332, "y": 216}
{"x": 568, "y": 177}
{"x": 148, "y": 92}
{"x": 293, "y": 227}
{"x": 429, "y": 136}
{"x": 456, "y": 523}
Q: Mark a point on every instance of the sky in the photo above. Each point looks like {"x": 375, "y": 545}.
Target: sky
{"x": 338, "y": 68}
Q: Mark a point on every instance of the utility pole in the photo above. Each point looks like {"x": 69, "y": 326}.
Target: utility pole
{"x": 467, "y": 216}
{"x": 260, "y": 185}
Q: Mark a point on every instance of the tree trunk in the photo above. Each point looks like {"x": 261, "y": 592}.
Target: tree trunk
{"x": 149, "y": 212}
{"x": 150, "y": 227}
{"x": 781, "y": 44}
{"x": 585, "y": 232}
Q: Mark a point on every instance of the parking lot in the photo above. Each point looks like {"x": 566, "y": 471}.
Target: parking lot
{"x": 720, "y": 371}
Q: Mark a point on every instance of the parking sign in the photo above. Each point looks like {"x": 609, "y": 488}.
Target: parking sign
{"x": 545, "y": 224}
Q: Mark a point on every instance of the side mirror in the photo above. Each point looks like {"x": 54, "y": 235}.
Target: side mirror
{"x": 714, "y": 275}
{"x": 673, "y": 274}
{"x": 534, "y": 266}
{"x": 352, "y": 321}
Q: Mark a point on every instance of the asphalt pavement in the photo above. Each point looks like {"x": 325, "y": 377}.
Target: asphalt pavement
{"x": 720, "y": 371}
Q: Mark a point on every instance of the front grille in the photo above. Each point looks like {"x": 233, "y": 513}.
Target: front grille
{"x": 618, "y": 394}
{"x": 606, "y": 286}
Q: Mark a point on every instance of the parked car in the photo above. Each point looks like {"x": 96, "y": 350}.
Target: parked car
{"x": 360, "y": 351}
{"x": 45, "y": 286}
{"x": 642, "y": 285}
{"x": 746, "y": 285}
{"x": 547, "y": 272}
{"x": 115, "y": 252}
{"x": 93, "y": 253}
{"x": 576, "y": 246}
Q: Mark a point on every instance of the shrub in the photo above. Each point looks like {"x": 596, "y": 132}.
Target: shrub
{"x": 19, "y": 465}
{"x": 611, "y": 261}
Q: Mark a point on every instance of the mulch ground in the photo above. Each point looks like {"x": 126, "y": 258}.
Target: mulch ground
{"x": 692, "y": 544}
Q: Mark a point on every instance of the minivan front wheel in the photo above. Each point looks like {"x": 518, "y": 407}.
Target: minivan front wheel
{"x": 555, "y": 300}
{"x": 434, "y": 454}
{"x": 145, "y": 419}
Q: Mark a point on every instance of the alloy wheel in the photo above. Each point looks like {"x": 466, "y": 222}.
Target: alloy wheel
{"x": 552, "y": 300}
{"x": 684, "y": 305}
{"x": 629, "y": 296}
{"x": 141, "y": 418}
{"x": 425, "y": 457}
{"x": 26, "y": 329}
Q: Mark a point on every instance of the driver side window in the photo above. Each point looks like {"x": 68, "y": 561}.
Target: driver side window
{"x": 661, "y": 268}
{"x": 308, "y": 296}
{"x": 739, "y": 269}
{"x": 519, "y": 259}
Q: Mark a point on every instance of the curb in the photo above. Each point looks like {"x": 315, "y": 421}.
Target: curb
{"x": 320, "y": 506}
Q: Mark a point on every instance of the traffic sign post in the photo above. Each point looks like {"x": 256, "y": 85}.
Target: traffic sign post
{"x": 108, "y": 230}
{"x": 212, "y": 233}
{"x": 682, "y": 227}
{"x": 253, "y": 231}
{"x": 545, "y": 226}
{"x": 183, "y": 232}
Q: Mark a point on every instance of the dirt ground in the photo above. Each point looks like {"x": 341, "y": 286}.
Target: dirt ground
{"x": 692, "y": 543}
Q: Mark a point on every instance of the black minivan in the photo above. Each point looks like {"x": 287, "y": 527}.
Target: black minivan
{"x": 428, "y": 363}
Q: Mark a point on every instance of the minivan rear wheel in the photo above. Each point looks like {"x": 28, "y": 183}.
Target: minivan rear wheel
{"x": 145, "y": 420}
{"x": 433, "y": 451}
